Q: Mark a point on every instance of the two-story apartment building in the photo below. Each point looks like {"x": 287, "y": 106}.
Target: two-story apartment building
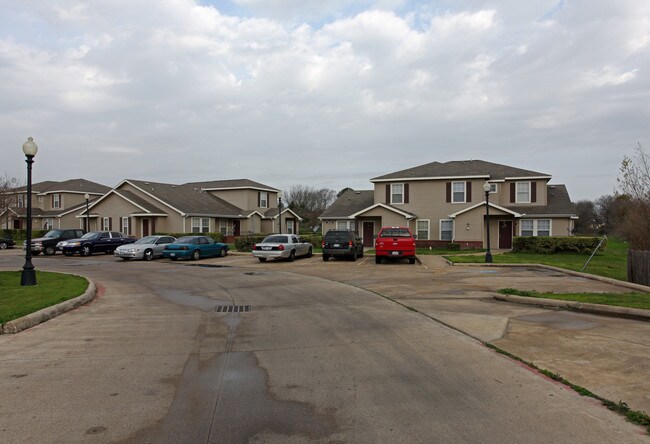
{"x": 232, "y": 207}
{"x": 54, "y": 204}
{"x": 445, "y": 202}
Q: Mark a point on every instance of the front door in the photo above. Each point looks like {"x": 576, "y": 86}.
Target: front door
{"x": 236, "y": 230}
{"x": 145, "y": 227}
{"x": 368, "y": 233}
{"x": 505, "y": 234}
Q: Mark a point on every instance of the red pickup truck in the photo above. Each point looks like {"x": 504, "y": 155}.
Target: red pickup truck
{"x": 395, "y": 243}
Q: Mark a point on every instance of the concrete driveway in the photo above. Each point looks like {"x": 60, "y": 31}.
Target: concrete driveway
{"x": 321, "y": 357}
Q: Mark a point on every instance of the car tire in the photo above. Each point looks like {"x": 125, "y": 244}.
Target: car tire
{"x": 68, "y": 253}
{"x": 196, "y": 255}
{"x": 49, "y": 251}
{"x": 3, "y": 245}
{"x": 223, "y": 252}
{"x": 126, "y": 258}
{"x": 354, "y": 255}
{"x": 261, "y": 259}
{"x": 148, "y": 254}
{"x": 411, "y": 260}
{"x": 174, "y": 258}
{"x": 377, "y": 259}
{"x": 292, "y": 256}
{"x": 35, "y": 253}
{"x": 361, "y": 253}
{"x": 86, "y": 250}
{"x": 326, "y": 257}
{"x": 310, "y": 253}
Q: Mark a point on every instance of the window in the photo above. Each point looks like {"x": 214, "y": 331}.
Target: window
{"x": 446, "y": 229}
{"x": 535, "y": 227}
{"x": 56, "y": 201}
{"x": 223, "y": 226}
{"x": 345, "y": 225}
{"x": 458, "y": 192}
{"x": 289, "y": 227}
{"x": 397, "y": 193}
{"x": 40, "y": 198}
{"x": 493, "y": 188}
{"x": 264, "y": 199}
{"x": 20, "y": 203}
{"x": 47, "y": 224}
{"x": 106, "y": 223}
{"x": 200, "y": 225}
{"x": 125, "y": 226}
{"x": 422, "y": 229}
{"x": 523, "y": 192}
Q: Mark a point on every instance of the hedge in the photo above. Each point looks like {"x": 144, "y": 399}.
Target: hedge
{"x": 21, "y": 235}
{"x": 550, "y": 245}
{"x": 245, "y": 243}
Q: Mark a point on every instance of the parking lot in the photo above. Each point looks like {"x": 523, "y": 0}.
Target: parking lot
{"x": 328, "y": 352}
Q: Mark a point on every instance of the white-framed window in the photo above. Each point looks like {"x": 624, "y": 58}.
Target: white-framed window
{"x": 106, "y": 224}
{"x": 20, "y": 201}
{"x": 56, "y": 201}
{"x": 200, "y": 225}
{"x": 422, "y": 228}
{"x": 523, "y": 192}
{"x": 458, "y": 192}
{"x": 535, "y": 227}
{"x": 126, "y": 229}
{"x": 264, "y": 199}
{"x": 345, "y": 225}
{"x": 289, "y": 227}
{"x": 48, "y": 224}
{"x": 41, "y": 198}
{"x": 446, "y": 229}
{"x": 397, "y": 193}
{"x": 223, "y": 226}
{"x": 493, "y": 188}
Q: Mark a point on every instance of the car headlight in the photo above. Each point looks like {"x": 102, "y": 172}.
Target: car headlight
{"x": 73, "y": 244}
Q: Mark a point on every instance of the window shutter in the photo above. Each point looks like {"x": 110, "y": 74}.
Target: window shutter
{"x": 388, "y": 193}
{"x": 52, "y": 200}
{"x": 533, "y": 191}
{"x": 110, "y": 224}
{"x": 468, "y": 191}
{"x": 448, "y": 191}
{"x": 406, "y": 193}
{"x": 513, "y": 192}
{"x": 259, "y": 198}
{"x": 130, "y": 225}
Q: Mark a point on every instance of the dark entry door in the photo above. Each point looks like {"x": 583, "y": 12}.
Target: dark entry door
{"x": 368, "y": 232}
{"x": 236, "y": 228}
{"x": 505, "y": 234}
{"x": 145, "y": 227}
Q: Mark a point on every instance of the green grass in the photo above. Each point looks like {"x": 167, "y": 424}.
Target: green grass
{"x": 440, "y": 251}
{"x": 612, "y": 263}
{"x": 17, "y": 301}
{"x": 630, "y": 300}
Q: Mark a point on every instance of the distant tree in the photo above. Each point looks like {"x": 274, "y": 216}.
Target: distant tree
{"x": 309, "y": 202}
{"x": 8, "y": 198}
{"x": 340, "y": 193}
{"x": 609, "y": 214}
{"x": 634, "y": 184}
{"x": 587, "y": 221}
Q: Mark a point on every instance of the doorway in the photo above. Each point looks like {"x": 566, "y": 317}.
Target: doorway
{"x": 368, "y": 234}
{"x": 505, "y": 234}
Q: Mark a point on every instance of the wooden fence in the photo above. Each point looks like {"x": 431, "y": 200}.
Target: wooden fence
{"x": 638, "y": 267}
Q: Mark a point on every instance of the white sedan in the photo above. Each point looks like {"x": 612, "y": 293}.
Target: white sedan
{"x": 282, "y": 246}
{"x": 146, "y": 248}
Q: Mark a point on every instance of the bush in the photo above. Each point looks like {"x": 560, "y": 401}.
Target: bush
{"x": 245, "y": 243}
{"x": 453, "y": 246}
{"x": 315, "y": 239}
{"x": 551, "y": 245}
{"x": 216, "y": 236}
{"x": 21, "y": 235}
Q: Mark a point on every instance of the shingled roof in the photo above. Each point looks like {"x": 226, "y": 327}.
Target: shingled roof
{"x": 460, "y": 168}
{"x": 559, "y": 204}
{"x": 70, "y": 186}
{"x": 350, "y": 202}
{"x": 231, "y": 183}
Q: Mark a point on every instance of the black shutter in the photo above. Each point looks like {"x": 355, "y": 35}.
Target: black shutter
{"x": 513, "y": 192}
{"x": 110, "y": 224}
{"x": 468, "y": 191}
{"x": 406, "y": 193}
{"x": 448, "y": 191}
{"x": 533, "y": 191}
{"x": 388, "y": 193}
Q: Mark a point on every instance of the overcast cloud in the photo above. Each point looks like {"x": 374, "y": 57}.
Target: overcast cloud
{"x": 322, "y": 93}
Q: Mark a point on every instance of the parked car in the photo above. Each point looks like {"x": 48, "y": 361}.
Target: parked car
{"x": 282, "y": 246}
{"x": 342, "y": 243}
{"x": 94, "y": 242}
{"x": 194, "y": 247}
{"x": 395, "y": 243}
{"x": 147, "y": 248}
{"x": 47, "y": 244}
{"x": 5, "y": 243}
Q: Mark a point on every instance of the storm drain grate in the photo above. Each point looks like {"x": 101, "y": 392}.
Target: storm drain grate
{"x": 233, "y": 308}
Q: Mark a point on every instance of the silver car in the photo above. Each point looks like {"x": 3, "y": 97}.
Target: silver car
{"x": 146, "y": 248}
{"x": 282, "y": 246}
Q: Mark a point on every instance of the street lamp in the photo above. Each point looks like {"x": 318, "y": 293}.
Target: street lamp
{"x": 86, "y": 225}
{"x": 28, "y": 276}
{"x": 280, "y": 211}
{"x": 486, "y": 188}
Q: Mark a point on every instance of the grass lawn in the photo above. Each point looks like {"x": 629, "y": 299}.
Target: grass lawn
{"x": 630, "y": 300}
{"x": 440, "y": 251}
{"x": 52, "y": 288}
{"x": 612, "y": 263}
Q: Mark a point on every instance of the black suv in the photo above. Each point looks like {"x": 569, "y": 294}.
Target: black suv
{"x": 343, "y": 243}
{"x": 48, "y": 243}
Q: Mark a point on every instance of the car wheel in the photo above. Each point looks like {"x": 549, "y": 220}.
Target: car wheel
{"x": 310, "y": 253}
{"x": 261, "y": 259}
{"x": 196, "y": 255}
{"x": 126, "y": 258}
{"x": 68, "y": 253}
{"x": 377, "y": 259}
{"x": 223, "y": 252}
{"x": 86, "y": 250}
{"x": 354, "y": 255}
{"x": 292, "y": 256}
{"x": 148, "y": 255}
{"x": 411, "y": 260}
{"x": 3, "y": 245}
{"x": 326, "y": 257}
{"x": 173, "y": 258}
{"x": 35, "y": 253}
{"x": 361, "y": 252}
{"x": 49, "y": 251}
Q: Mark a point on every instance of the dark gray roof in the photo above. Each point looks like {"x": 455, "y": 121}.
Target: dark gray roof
{"x": 231, "y": 183}
{"x": 189, "y": 199}
{"x": 350, "y": 202}
{"x": 559, "y": 203}
{"x": 461, "y": 168}
{"x": 71, "y": 185}
{"x": 140, "y": 201}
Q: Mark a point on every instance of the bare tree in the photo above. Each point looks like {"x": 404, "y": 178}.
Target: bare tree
{"x": 8, "y": 198}
{"x": 634, "y": 183}
{"x": 309, "y": 202}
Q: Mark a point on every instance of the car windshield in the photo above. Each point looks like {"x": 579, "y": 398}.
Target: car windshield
{"x": 395, "y": 232}
{"x": 53, "y": 234}
{"x": 276, "y": 240}
{"x": 147, "y": 240}
{"x": 91, "y": 235}
{"x": 337, "y": 236}
{"x": 185, "y": 240}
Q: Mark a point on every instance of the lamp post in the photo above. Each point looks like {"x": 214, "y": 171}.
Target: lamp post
{"x": 28, "y": 276}
{"x": 486, "y": 188}
{"x": 280, "y": 211}
{"x": 87, "y": 224}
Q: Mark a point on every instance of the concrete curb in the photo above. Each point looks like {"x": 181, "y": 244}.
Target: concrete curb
{"x": 608, "y": 310}
{"x": 47, "y": 313}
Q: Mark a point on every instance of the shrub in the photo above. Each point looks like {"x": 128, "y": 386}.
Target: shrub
{"x": 453, "y": 246}
{"x": 315, "y": 239}
{"x": 245, "y": 243}
{"x": 551, "y": 245}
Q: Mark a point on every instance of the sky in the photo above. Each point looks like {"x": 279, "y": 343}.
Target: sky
{"x": 322, "y": 93}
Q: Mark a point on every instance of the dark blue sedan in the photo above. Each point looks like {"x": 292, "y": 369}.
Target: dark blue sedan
{"x": 194, "y": 247}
